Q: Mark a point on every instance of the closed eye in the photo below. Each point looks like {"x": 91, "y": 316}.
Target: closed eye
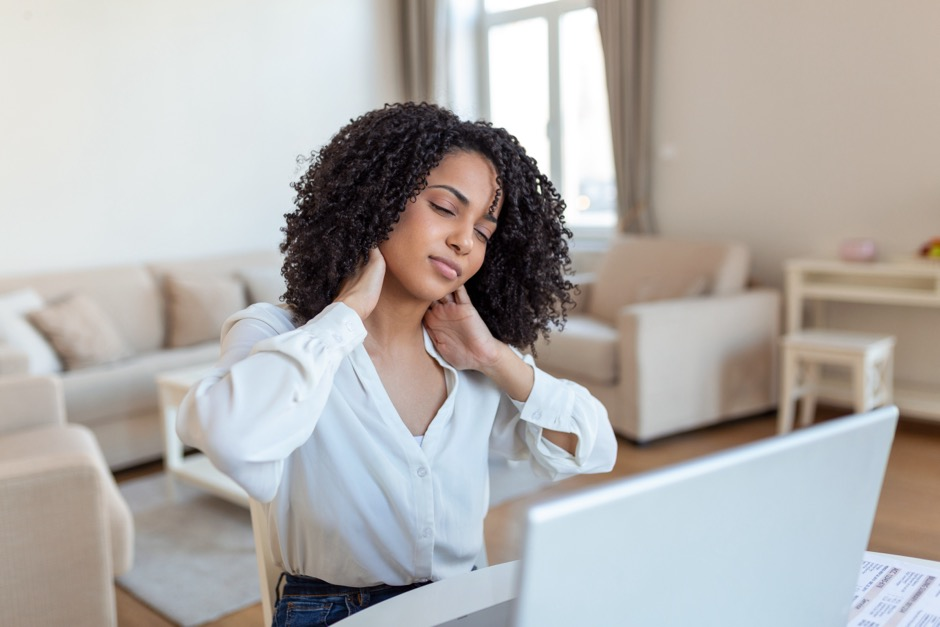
{"x": 441, "y": 209}
{"x": 484, "y": 236}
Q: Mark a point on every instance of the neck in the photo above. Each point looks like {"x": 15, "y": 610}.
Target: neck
{"x": 395, "y": 323}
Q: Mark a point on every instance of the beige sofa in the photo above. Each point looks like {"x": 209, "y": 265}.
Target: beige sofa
{"x": 669, "y": 336}
{"x": 108, "y": 331}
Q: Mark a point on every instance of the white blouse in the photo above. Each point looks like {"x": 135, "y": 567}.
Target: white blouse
{"x": 299, "y": 418}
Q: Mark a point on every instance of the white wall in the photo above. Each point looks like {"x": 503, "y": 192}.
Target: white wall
{"x": 794, "y": 124}
{"x": 170, "y": 129}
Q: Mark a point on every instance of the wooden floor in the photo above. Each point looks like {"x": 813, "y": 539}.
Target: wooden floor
{"x": 907, "y": 521}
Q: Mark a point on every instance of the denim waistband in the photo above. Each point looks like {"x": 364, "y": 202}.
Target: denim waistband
{"x": 300, "y": 584}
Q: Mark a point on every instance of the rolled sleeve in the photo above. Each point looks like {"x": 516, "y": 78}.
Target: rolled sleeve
{"x": 562, "y": 405}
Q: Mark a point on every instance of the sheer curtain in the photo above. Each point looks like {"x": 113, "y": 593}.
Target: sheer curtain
{"x": 626, "y": 36}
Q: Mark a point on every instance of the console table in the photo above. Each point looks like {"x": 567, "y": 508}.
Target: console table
{"x": 909, "y": 283}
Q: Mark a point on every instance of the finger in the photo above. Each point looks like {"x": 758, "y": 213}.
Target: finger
{"x": 461, "y": 296}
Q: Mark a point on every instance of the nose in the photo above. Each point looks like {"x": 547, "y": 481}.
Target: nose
{"x": 461, "y": 241}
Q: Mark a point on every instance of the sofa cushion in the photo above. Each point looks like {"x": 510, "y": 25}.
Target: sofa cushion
{"x": 198, "y": 305}
{"x": 638, "y": 269}
{"x": 17, "y": 331}
{"x": 265, "y": 283}
{"x": 81, "y": 332}
{"x": 130, "y": 389}
{"x": 229, "y": 267}
{"x": 587, "y": 346}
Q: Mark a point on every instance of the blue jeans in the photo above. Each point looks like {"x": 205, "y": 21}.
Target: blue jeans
{"x": 309, "y": 602}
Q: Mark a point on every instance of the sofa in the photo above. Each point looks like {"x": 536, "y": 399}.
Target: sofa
{"x": 106, "y": 333}
{"x": 669, "y": 335}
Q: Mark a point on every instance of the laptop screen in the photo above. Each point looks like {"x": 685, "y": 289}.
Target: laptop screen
{"x": 767, "y": 534}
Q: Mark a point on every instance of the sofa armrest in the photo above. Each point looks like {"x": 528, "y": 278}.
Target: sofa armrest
{"x": 42, "y": 454}
{"x": 713, "y": 355}
{"x": 30, "y": 401}
{"x": 13, "y": 360}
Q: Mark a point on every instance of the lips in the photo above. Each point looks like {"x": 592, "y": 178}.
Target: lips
{"x": 446, "y": 267}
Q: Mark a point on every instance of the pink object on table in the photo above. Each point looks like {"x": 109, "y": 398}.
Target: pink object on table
{"x": 858, "y": 249}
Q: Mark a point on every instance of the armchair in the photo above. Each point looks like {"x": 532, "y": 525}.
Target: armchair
{"x": 65, "y": 530}
{"x": 667, "y": 335}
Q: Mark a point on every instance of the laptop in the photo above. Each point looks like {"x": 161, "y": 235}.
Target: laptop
{"x": 768, "y": 534}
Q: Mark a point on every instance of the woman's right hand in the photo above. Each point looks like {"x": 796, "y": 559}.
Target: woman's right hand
{"x": 361, "y": 290}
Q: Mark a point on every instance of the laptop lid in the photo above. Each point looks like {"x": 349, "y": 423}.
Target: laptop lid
{"x": 771, "y": 533}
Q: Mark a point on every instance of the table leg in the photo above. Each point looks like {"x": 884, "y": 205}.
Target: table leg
{"x": 172, "y": 447}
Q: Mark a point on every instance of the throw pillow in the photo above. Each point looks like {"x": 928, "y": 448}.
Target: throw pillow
{"x": 16, "y": 331}
{"x": 265, "y": 283}
{"x": 81, "y": 332}
{"x": 198, "y": 305}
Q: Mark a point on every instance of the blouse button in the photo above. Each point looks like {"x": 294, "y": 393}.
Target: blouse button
{"x": 537, "y": 414}
{"x": 337, "y": 337}
{"x": 422, "y": 471}
{"x": 426, "y": 533}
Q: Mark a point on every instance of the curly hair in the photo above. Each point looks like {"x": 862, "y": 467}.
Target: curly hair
{"x": 356, "y": 187}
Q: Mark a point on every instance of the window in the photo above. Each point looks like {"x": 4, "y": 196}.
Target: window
{"x": 543, "y": 79}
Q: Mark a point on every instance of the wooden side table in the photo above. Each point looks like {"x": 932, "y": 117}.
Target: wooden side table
{"x": 195, "y": 468}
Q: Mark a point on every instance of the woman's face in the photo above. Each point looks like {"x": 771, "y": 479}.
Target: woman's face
{"x": 441, "y": 239}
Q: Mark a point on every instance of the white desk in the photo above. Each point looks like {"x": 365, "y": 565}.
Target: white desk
{"x": 909, "y": 283}
{"x": 195, "y": 469}
{"x": 448, "y": 601}
{"x": 489, "y": 592}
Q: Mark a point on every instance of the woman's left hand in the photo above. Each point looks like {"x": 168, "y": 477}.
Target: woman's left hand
{"x": 459, "y": 334}
{"x": 465, "y": 342}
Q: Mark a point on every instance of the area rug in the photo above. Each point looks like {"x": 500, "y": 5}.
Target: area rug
{"x": 194, "y": 556}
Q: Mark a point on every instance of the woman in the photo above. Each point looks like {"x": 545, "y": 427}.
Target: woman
{"x": 362, "y": 412}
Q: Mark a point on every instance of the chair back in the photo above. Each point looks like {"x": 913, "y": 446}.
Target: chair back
{"x": 268, "y": 572}
{"x": 640, "y": 269}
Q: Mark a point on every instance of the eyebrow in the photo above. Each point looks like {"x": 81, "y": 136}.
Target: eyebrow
{"x": 463, "y": 199}
{"x": 456, "y": 192}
